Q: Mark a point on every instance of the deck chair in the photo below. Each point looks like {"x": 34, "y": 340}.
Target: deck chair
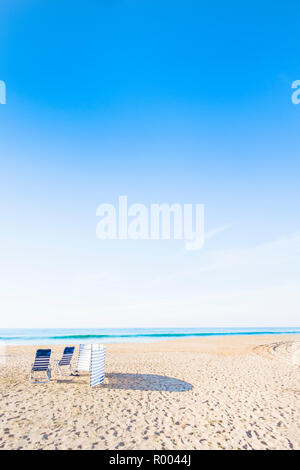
{"x": 41, "y": 364}
{"x": 84, "y": 358}
{"x": 66, "y": 360}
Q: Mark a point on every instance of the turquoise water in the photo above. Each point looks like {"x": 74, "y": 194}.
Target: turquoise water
{"x": 125, "y": 335}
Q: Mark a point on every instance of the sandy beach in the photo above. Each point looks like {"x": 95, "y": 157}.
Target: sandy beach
{"x": 237, "y": 392}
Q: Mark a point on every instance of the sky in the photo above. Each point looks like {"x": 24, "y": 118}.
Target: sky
{"x": 165, "y": 102}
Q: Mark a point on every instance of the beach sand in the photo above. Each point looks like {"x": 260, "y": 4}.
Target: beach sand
{"x": 237, "y": 392}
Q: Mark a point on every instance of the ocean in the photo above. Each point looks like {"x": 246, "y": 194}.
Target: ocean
{"x": 124, "y": 335}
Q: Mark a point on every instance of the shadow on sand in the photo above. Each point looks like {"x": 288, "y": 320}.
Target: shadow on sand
{"x": 149, "y": 382}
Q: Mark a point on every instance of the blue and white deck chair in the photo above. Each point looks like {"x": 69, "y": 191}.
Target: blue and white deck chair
{"x": 92, "y": 359}
{"x": 66, "y": 360}
{"x": 84, "y": 358}
{"x": 41, "y": 364}
{"x": 97, "y": 365}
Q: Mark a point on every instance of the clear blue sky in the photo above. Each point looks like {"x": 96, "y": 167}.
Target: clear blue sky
{"x": 164, "y": 102}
